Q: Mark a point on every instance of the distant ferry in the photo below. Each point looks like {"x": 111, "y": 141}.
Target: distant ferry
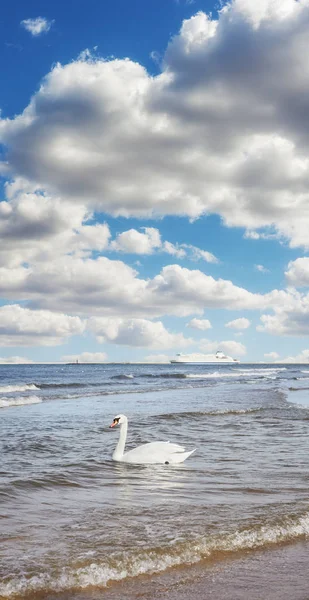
{"x": 204, "y": 359}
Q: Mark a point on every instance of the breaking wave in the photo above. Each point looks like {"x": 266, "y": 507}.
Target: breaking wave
{"x": 5, "y": 402}
{"x": 209, "y": 413}
{"x": 7, "y": 389}
{"x": 154, "y": 560}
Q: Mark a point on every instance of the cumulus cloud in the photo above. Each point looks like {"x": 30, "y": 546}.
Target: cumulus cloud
{"x": 291, "y": 316}
{"x": 298, "y": 272}
{"x": 271, "y": 355}
{"x": 135, "y": 242}
{"x": 201, "y": 324}
{"x": 38, "y": 227}
{"x": 24, "y": 327}
{"x": 135, "y": 332}
{"x": 241, "y": 323}
{"x": 37, "y": 26}
{"x": 85, "y": 357}
{"x": 302, "y": 357}
{"x": 110, "y": 287}
{"x": 220, "y": 130}
{"x": 230, "y": 347}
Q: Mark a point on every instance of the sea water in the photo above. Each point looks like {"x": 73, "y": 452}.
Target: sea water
{"x": 74, "y": 522}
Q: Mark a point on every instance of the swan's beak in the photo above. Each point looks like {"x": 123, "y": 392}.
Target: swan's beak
{"x": 112, "y": 424}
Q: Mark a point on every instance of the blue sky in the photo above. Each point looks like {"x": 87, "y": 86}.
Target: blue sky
{"x": 154, "y": 180}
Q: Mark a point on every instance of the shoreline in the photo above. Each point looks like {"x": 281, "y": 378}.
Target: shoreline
{"x": 270, "y": 574}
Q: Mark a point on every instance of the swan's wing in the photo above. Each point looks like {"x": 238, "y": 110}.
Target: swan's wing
{"x": 156, "y": 452}
{"x": 179, "y": 457}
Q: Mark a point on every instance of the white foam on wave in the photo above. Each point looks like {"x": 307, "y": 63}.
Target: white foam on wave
{"x": 5, "y": 402}
{"x": 210, "y": 375}
{"x": 304, "y": 371}
{"x": 128, "y": 564}
{"x": 267, "y": 373}
{"x": 6, "y": 389}
{"x": 234, "y": 411}
{"x": 260, "y": 371}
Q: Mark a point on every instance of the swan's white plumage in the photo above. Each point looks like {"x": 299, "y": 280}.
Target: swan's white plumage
{"x": 151, "y": 453}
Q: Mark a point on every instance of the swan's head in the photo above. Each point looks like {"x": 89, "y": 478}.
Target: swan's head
{"x": 119, "y": 420}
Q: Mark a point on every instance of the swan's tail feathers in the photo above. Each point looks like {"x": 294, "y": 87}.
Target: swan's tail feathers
{"x": 179, "y": 457}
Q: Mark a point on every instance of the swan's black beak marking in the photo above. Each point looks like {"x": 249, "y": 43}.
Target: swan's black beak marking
{"x": 115, "y": 422}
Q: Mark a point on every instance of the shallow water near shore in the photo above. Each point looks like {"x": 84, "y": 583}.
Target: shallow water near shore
{"x": 74, "y": 524}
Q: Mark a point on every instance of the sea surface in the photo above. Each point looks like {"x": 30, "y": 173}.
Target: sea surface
{"x": 76, "y": 525}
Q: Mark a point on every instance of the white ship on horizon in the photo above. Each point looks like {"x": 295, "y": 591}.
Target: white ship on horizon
{"x": 204, "y": 359}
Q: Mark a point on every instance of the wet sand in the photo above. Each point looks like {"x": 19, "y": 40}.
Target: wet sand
{"x": 276, "y": 574}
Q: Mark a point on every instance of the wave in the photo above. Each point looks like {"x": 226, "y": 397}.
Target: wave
{"x": 77, "y": 384}
{"x": 216, "y": 375}
{"x": 261, "y": 370}
{"x": 154, "y": 560}
{"x": 163, "y": 375}
{"x": 258, "y": 374}
{"x": 298, "y": 389}
{"x": 7, "y": 389}
{"x": 5, "y": 402}
{"x": 50, "y": 481}
{"x": 209, "y": 413}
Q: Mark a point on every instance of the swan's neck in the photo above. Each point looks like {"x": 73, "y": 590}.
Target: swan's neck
{"x": 119, "y": 450}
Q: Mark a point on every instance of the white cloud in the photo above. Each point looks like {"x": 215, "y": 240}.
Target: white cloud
{"x": 230, "y": 347}
{"x": 174, "y": 250}
{"x": 220, "y": 130}
{"x": 252, "y": 235}
{"x": 135, "y": 332}
{"x": 201, "y": 324}
{"x": 24, "y": 327}
{"x": 15, "y": 360}
{"x": 198, "y": 254}
{"x": 72, "y": 284}
{"x": 298, "y": 272}
{"x": 271, "y": 355}
{"x": 133, "y": 241}
{"x": 37, "y": 227}
{"x": 302, "y": 357}
{"x": 85, "y": 357}
{"x": 37, "y": 26}
{"x": 241, "y": 323}
{"x": 265, "y": 11}
{"x": 261, "y": 269}
{"x": 291, "y": 316}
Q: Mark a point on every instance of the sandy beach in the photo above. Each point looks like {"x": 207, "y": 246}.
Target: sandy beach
{"x": 277, "y": 574}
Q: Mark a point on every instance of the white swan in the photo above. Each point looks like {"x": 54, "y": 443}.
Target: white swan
{"x": 152, "y": 453}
